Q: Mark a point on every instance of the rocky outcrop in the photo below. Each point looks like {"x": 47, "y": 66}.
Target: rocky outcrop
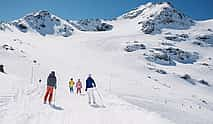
{"x": 169, "y": 56}
{"x": 91, "y": 25}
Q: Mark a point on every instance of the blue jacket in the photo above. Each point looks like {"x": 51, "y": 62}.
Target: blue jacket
{"x": 90, "y": 83}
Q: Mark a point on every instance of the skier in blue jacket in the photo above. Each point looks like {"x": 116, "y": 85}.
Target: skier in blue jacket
{"x": 90, "y": 85}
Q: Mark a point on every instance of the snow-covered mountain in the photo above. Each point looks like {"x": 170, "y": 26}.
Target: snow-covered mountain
{"x": 153, "y": 17}
{"x": 161, "y": 75}
{"x": 150, "y": 18}
{"x": 43, "y": 22}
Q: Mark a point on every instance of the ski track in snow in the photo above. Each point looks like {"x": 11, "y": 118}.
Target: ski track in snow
{"x": 28, "y": 109}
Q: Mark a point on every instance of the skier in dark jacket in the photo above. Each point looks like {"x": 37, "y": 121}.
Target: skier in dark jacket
{"x": 51, "y": 83}
{"x": 90, "y": 85}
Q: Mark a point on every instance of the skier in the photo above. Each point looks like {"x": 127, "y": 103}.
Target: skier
{"x": 79, "y": 86}
{"x": 90, "y": 85}
{"x": 51, "y": 83}
{"x": 71, "y": 85}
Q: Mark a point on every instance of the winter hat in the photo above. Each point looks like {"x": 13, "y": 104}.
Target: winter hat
{"x": 53, "y": 72}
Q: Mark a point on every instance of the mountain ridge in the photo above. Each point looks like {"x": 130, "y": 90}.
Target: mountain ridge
{"x": 150, "y": 17}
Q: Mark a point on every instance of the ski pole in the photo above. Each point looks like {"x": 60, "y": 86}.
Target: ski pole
{"x": 99, "y": 95}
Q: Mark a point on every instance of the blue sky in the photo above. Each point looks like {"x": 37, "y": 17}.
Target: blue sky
{"x": 80, "y": 9}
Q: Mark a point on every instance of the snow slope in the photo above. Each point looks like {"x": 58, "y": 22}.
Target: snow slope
{"x": 27, "y": 106}
{"x": 73, "y": 109}
{"x": 134, "y": 89}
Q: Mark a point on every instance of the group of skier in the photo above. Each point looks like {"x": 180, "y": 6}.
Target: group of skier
{"x": 72, "y": 85}
{"x": 52, "y": 84}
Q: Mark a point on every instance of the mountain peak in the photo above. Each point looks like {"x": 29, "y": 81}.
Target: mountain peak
{"x": 152, "y": 5}
{"x": 147, "y": 8}
{"x": 40, "y": 12}
{"x": 44, "y": 23}
{"x": 154, "y": 16}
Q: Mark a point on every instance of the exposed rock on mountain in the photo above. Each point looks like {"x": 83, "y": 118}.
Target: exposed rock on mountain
{"x": 91, "y": 25}
{"x": 168, "y": 56}
{"x": 44, "y": 23}
{"x": 153, "y": 17}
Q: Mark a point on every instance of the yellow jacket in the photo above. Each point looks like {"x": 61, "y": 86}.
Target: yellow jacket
{"x": 71, "y": 83}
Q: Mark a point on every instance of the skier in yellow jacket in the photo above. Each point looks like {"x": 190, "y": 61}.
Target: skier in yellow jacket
{"x": 71, "y": 85}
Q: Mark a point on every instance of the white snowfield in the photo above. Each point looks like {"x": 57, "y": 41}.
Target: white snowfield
{"x": 174, "y": 87}
{"x": 22, "y": 100}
